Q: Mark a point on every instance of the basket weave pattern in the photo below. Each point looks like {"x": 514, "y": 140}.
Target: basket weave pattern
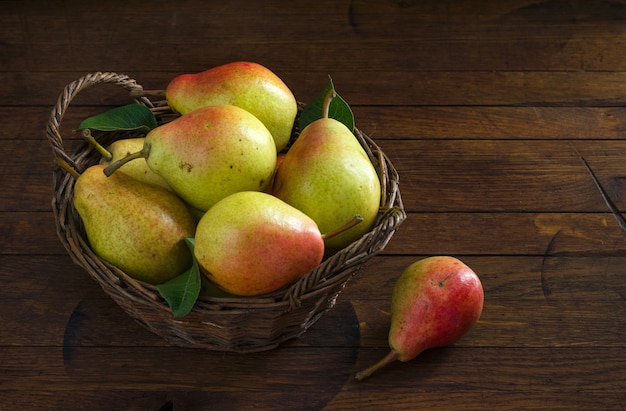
{"x": 227, "y": 324}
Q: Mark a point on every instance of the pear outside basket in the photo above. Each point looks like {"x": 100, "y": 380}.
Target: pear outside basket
{"x": 226, "y": 324}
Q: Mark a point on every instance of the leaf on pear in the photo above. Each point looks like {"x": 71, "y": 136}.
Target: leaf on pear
{"x": 131, "y": 117}
{"x": 181, "y": 292}
{"x": 338, "y": 109}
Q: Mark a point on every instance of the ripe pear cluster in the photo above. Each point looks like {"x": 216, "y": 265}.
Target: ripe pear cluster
{"x": 262, "y": 215}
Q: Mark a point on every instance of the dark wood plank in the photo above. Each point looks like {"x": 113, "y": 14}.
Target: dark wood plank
{"x": 509, "y": 234}
{"x": 357, "y": 396}
{"x": 501, "y": 369}
{"x": 525, "y": 393}
{"x": 532, "y": 36}
{"x": 501, "y": 123}
{"x": 396, "y": 123}
{"x": 553, "y": 372}
{"x": 170, "y": 399}
{"x": 562, "y": 48}
{"x": 388, "y": 88}
{"x": 29, "y": 233}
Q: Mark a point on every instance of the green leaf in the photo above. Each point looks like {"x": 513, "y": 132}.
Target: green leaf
{"x": 338, "y": 109}
{"x": 181, "y": 292}
{"x": 130, "y": 117}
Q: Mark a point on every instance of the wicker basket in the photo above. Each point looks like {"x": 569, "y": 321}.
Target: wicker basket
{"x": 225, "y": 324}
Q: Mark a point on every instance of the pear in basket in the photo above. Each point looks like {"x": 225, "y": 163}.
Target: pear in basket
{"x": 248, "y": 85}
{"x": 137, "y": 227}
{"x": 252, "y": 243}
{"x": 137, "y": 169}
{"x": 328, "y": 175}
{"x": 209, "y": 153}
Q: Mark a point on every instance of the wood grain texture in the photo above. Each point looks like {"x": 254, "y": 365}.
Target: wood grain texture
{"x": 505, "y": 121}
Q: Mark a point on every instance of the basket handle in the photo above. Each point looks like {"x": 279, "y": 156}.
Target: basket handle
{"x": 71, "y": 90}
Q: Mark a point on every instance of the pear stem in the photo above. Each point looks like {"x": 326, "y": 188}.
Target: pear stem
{"x": 91, "y": 140}
{"x": 330, "y": 95}
{"x": 356, "y": 220}
{"x": 386, "y": 360}
{"x": 65, "y": 166}
{"x": 143, "y": 153}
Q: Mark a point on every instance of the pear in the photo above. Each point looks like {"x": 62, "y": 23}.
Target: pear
{"x": 434, "y": 303}
{"x": 208, "y": 154}
{"x": 251, "y": 243}
{"x": 137, "y": 169}
{"x": 138, "y": 227}
{"x": 327, "y": 175}
{"x": 248, "y": 85}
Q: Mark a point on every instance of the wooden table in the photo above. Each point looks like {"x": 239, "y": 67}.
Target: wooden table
{"x": 505, "y": 121}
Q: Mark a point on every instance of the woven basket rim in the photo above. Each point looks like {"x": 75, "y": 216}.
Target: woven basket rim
{"x": 319, "y": 284}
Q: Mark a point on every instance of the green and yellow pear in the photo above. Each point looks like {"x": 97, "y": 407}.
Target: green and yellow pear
{"x": 252, "y": 243}
{"x": 244, "y": 84}
{"x": 328, "y": 175}
{"x": 209, "y": 153}
{"x": 138, "y": 227}
{"x": 137, "y": 169}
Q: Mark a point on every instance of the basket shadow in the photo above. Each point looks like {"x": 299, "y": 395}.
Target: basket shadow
{"x": 105, "y": 346}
